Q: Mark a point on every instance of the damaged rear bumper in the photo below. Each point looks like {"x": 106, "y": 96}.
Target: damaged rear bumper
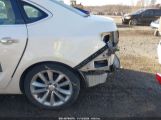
{"x": 99, "y": 66}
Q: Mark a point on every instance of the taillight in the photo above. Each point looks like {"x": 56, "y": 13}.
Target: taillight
{"x": 158, "y": 77}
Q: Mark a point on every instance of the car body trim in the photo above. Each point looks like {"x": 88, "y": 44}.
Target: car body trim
{"x": 1, "y": 68}
{"x": 20, "y": 58}
{"x": 90, "y": 58}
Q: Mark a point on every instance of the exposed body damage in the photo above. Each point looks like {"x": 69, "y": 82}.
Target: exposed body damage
{"x": 98, "y": 66}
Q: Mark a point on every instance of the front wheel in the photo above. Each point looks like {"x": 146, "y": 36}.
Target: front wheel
{"x": 133, "y": 22}
{"x": 51, "y": 86}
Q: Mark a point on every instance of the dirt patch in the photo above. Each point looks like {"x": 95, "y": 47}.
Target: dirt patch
{"x": 138, "y": 43}
{"x": 140, "y": 63}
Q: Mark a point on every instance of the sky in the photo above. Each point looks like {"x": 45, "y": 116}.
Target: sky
{"x": 105, "y": 2}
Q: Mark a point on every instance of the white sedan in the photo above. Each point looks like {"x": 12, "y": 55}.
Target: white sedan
{"x": 49, "y": 51}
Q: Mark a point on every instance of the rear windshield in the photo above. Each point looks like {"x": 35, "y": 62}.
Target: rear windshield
{"x": 77, "y": 11}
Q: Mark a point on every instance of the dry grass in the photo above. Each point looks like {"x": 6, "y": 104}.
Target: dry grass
{"x": 142, "y": 64}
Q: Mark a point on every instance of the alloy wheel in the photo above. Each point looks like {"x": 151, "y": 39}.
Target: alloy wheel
{"x": 51, "y": 88}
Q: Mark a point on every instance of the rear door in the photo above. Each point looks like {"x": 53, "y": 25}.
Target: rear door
{"x": 13, "y": 39}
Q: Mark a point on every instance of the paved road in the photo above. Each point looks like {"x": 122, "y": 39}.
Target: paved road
{"x": 128, "y": 94}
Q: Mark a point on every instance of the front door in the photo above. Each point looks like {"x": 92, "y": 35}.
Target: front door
{"x": 13, "y": 38}
{"x": 148, "y": 17}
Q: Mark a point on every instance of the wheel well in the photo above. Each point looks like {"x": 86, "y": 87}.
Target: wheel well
{"x": 82, "y": 80}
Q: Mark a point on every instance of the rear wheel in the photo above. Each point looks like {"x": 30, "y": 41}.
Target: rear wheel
{"x": 51, "y": 86}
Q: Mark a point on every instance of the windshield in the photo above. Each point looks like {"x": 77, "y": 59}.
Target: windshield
{"x": 77, "y": 11}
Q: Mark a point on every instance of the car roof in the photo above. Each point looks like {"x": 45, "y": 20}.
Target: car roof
{"x": 152, "y": 9}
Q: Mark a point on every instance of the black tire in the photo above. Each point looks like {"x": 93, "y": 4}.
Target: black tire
{"x": 75, "y": 81}
{"x": 123, "y": 22}
{"x": 156, "y": 33}
{"x": 133, "y": 22}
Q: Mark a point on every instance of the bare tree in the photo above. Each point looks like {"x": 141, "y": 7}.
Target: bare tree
{"x": 140, "y": 3}
{"x": 147, "y": 2}
{"x": 132, "y": 3}
{"x": 153, "y": 2}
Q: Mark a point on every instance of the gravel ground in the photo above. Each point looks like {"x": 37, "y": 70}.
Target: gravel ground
{"x": 127, "y": 94}
{"x": 130, "y": 92}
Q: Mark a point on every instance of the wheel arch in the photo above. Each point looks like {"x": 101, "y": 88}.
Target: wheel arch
{"x": 81, "y": 77}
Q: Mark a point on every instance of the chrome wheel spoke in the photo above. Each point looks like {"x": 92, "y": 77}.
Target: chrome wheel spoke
{"x": 52, "y": 99}
{"x": 43, "y": 99}
{"x": 50, "y": 75}
{"x": 65, "y": 92}
{"x": 65, "y": 83}
{"x": 60, "y": 77}
{"x": 59, "y": 96}
{"x": 38, "y": 84}
{"x": 39, "y": 91}
{"x": 42, "y": 77}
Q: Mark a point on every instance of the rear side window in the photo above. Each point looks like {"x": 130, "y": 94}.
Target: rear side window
{"x": 148, "y": 13}
{"x": 157, "y": 12}
{"x": 32, "y": 13}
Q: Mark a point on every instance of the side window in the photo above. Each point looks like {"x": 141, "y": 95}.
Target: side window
{"x": 151, "y": 13}
{"x": 7, "y": 15}
{"x": 158, "y": 13}
{"x": 148, "y": 13}
{"x": 32, "y": 13}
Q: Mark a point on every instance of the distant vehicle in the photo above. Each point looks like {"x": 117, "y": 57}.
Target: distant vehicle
{"x": 155, "y": 24}
{"x": 142, "y": 16}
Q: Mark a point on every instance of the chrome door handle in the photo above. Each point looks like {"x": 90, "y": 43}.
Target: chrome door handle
{"x": 8, "y": 41}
